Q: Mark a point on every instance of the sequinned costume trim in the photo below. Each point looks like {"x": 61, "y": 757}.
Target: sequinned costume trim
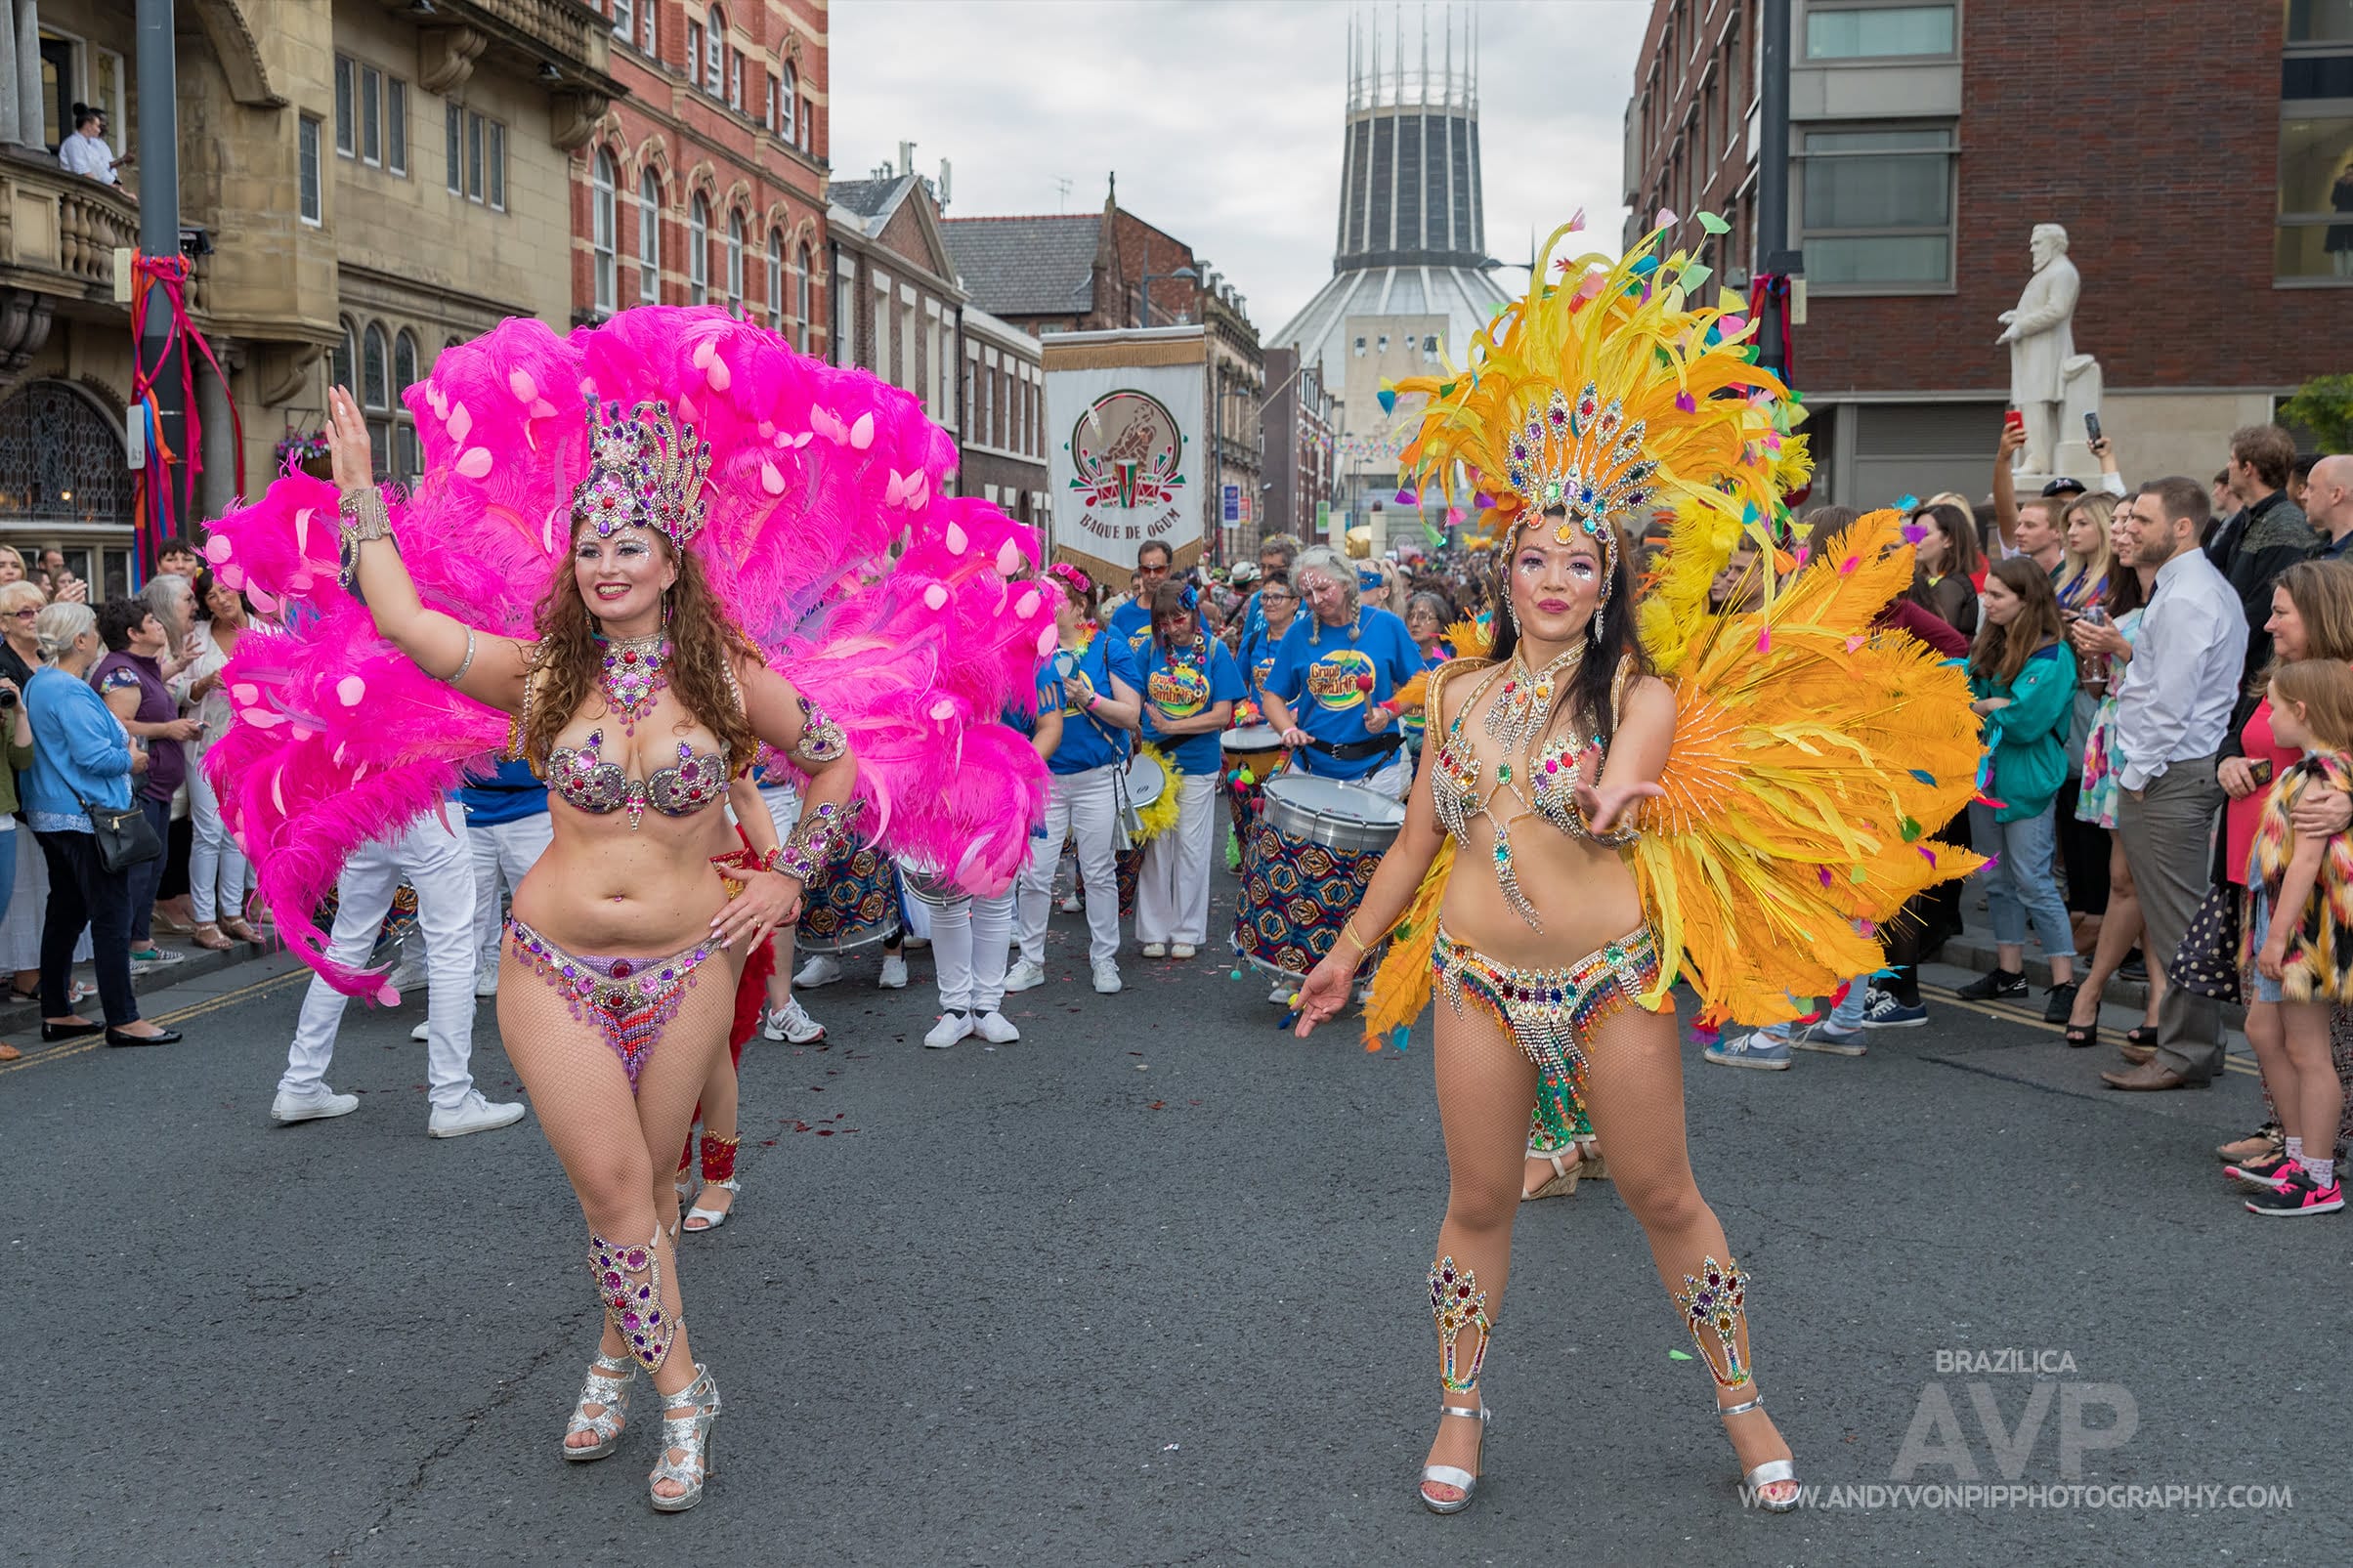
{"x": 1715, "y": 1306}
{"x": 1458, "y": 1303}
{"x": 630, "y": 1281}
{"x": 1550, "y": 1012}
{"x": 631, "y": 1000}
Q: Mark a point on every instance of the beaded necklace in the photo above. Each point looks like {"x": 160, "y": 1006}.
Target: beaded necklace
{"x": 632, "y": 676}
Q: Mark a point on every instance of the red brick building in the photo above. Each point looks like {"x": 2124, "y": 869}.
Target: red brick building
{"x": 2201, "y": 157}
{"x": 705, "y": 185}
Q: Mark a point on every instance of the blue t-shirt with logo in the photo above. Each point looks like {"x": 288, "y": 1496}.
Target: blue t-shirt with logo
{"x": 1085, "y": 743}
{"x": 1181, "y": 686}
{"x": 508, "y": 794}
{"x": 1132, "y": 624}
{"x": 1259, "y": 648}
{"x": 1330, "y": 683}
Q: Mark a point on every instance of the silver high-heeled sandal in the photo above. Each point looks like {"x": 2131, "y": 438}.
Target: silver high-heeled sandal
{"x": 1769, "y": 1473}
{"x": 711, "y": 1219}
{"x": 607, "y": 1385}
{"x": 688, "y": 1434}
{"x": 1448, "y": 1475}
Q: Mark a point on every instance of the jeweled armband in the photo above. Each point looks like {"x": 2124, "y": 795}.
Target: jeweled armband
{"x": 821, "y": 738}
{"x": 822, "y": 833}
{"x": 365, "y": 517}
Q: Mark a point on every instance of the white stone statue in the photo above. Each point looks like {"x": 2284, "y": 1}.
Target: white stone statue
{"x": 2042, "y": 348}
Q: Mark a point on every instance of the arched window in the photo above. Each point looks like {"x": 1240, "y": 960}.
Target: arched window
{"x": 406, "y": 462}
{"x": 735, "y": 265}
{"x": 343, "y": 360}
{"x": 697, "y": 252}
{"x": 649, "y": 236}
{"x": 788, "y": 106}
{"x": 776, "y": 281}
{"x": 805, "y": 264}
{"x": 375, "y": 393}
{"x": 715, "y": 42}
{"x": 604, "y": 230}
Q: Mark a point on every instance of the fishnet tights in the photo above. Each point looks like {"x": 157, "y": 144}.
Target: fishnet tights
{"x": 1633, "y": 1094}
{"x": 619, "y": 1149}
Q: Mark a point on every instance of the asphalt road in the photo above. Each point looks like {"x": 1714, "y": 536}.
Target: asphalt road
{"x": 1146, "y": 1287}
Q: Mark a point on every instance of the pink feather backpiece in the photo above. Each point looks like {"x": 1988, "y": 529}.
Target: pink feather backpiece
{"x": 817, "y": 474}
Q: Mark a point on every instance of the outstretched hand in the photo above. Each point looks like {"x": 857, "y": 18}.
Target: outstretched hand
{"x": 1606, "y": 806}
{"x": 1322, "y": 995}
{"x": 348, "y": 446}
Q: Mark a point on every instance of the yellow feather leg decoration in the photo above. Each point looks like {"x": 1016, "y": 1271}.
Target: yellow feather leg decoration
{"x": 1161, "y": 815}
{"x": 1401, "y": 985}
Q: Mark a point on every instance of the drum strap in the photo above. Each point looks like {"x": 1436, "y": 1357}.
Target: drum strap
{"x": 1380, "y": 746}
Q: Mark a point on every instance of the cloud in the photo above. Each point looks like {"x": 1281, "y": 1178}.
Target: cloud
{"x": 1222, "y": 121}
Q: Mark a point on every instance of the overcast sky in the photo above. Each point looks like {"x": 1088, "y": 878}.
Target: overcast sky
{"x": 1222, "y": 117}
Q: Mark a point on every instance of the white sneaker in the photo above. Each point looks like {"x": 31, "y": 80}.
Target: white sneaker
{"x": 421, "y": 1033}
{"x": 1106, "y": 979}
{"x": 1156, "y": 949}
{"x": 1071, "y": 903}
{"x": 790, "y": 1024}
{"x": 1181, "y": 949}
{"x": 996, "y": 1028}
{"x": 407, "y": 976}
{"x": 472, "y": 1115}
{"x": 950, "y": 1027}
{"x": 486, "y": 979}
{"x": 894, "y": 974}
{"x": 822, "y": 969}
{"x": 315, "y": 1106}
{"x": 1024, "y": 976}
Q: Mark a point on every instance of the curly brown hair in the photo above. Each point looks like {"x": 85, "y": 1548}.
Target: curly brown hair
{"x": 566, "y": 662}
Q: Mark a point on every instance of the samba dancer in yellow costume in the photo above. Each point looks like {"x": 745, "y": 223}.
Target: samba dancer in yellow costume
{"x": 1638, "y": 793}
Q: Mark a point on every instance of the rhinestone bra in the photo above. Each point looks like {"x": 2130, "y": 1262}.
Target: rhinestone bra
{"x": 590, "y": 784}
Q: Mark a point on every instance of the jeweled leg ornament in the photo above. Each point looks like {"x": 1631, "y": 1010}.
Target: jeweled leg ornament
{"x": 629, "y": 1278}
{"x": 1458, "y": 1303}
{"x": 1713, "y": 1305}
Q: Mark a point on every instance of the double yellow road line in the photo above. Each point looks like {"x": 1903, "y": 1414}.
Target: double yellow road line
{"x": 178, "y": 1015}
{"x": 2013, "y": 1013}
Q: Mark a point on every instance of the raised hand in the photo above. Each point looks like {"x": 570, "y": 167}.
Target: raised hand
{"x": 354, "y": 456}
{"x": 1604, "y": 807}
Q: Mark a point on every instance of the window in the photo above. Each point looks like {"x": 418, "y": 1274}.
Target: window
{"x": 775, "y": 283}
{"x": 735, "y": 265}
{"x": 1877, "y": 33}
{"x": 307, "y": 135}
{"x": 787, "y": 97}
{"x": 405, "y": 458}
{"x": 653, "y": 43}
{"x": 649, "y": 236}
{"x": 2313, "y": 237}
{"x": 604, "y": 229}
{"x": 971, "y": 401}
{"x": 624, "y": 17}
{"x": 396, "y": 125}
{"x": 371, "y": 114}
{"x": 714, "y": 53}
{"x": 1360, "y": 347}
{"x": 346, "y": 116}
{"x": 694, "y": 52}
{"x": 1877, "y": 209}
{"x": 375, "y": 394}
{"x": 341, "y": 356}
{"x": 735, "y": 80}
{"x": 497, "y": 158}
{"x": 845, "y": 311}
{"x": 1430, "y": 351}
{"x": 453, "y": 128}
{"x": 698, "y": 253}
{"x": 1384, "y": 344}
{"x": 801, "y": 283}
{"x": 474, "y": 158}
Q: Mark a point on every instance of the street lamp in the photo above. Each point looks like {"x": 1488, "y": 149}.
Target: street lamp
{"x": 1150, "y": 278}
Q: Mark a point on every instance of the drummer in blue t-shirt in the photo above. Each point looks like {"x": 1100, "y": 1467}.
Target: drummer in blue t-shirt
{"x": 1132, "y": 622}
{"x": 1333, "y": 677}
{"x": 1091, "y": 680}
{"x": 1190, "y": 685}
{"x": 1278, "y": 601}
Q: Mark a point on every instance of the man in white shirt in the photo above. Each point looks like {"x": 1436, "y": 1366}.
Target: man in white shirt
{"x": 2173, "y": 708}
{"x": 85, "y": 152}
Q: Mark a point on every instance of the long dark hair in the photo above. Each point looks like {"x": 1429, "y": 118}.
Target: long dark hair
{"x": 1589, "y": 693}
{"x": 568, "y": 661}
{"x": 2002, "y": 652}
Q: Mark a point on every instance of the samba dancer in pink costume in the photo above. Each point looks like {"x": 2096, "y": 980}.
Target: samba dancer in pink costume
{"x": 600, "y": 572}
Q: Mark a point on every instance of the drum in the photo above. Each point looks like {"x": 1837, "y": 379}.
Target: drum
{"x": 1314, "y": 849}
{"x": 852, "y": 905}
{"x": 927, "y": 886}
{"x": 1142, "y": 782}
{"x": 1256, "y": 750}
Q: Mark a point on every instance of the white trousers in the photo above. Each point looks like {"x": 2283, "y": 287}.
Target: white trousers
{"x": 1172, "y": 887}
{"x": 503, "y": 855}
{"x": 1084, "y": 804}
{"x": 217, "y": 872}
{"x": 969, "y": 942}
{"x": 434, "y": 857}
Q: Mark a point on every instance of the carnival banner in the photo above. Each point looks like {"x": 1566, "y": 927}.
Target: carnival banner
{"x": 1127, "y": 462}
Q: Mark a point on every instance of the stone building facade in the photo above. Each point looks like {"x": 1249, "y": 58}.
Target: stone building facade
{"x": 377, "y": 182}
{"x": 1928, "y": 138}
{"x": 706, "y": 184}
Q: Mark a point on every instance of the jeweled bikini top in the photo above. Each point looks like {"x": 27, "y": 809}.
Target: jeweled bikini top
{"x": 590, "y": 784}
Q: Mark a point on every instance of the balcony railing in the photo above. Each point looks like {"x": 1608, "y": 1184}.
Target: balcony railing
{"x": 59, "y": 232}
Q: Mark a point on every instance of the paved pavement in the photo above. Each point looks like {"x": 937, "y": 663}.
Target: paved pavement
{"x": 1144, "y": 1288}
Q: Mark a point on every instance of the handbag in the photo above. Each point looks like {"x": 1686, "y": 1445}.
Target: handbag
{"x": 2207, "y": 963}
{"x": 125, "y": 837}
